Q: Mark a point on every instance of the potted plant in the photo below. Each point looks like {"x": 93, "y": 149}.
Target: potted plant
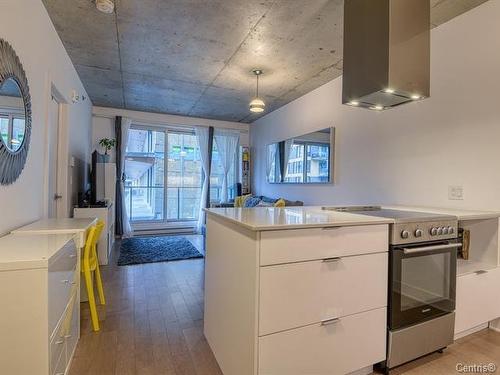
{"x": 107, "y": 144}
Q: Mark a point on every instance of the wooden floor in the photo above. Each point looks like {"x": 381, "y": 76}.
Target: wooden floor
{"x": 153, "y": 324}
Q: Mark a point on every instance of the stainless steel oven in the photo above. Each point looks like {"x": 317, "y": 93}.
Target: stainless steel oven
{"x": 422, "y": 281}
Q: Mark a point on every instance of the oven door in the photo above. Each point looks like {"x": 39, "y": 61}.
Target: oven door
{"x": 422, "y": 282}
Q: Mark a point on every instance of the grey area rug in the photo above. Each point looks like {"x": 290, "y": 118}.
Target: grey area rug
{"x": 139, "y": 250}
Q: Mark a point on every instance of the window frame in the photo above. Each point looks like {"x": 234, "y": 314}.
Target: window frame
{"x": 166, "y": 130}
{"x": 11, "y": 115}
{"x": 306, "y": 144}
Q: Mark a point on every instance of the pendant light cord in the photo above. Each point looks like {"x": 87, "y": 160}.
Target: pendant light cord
{"x": 257, "y": 85}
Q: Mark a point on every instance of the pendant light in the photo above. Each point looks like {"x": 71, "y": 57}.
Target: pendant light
{"x": 257, "y": 105}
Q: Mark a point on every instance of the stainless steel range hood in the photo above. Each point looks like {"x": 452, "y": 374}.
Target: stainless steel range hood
{"x": 386, "y": 52}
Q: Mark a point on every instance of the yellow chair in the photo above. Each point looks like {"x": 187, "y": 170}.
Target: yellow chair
{"x": 90, "y": 263}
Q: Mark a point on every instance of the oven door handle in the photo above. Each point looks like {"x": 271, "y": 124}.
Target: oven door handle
{"x": 424, "y": 249}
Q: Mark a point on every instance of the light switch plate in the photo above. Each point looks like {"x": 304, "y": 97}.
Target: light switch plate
{"x": 456, "y": 192}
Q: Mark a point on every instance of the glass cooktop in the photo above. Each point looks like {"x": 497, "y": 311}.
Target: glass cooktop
{"x": 399, "y": 216}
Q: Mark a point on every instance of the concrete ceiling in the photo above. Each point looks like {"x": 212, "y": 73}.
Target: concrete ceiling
{"x": 195, "y": 57}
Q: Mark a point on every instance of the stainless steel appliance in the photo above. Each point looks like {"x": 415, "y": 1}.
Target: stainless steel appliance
{"x": 422, "y": 279}
{"x": 386, "y": 52}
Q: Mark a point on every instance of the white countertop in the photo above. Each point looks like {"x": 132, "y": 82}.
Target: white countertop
{"x": 274, "y": 218}
{"x": 461, "y": 214}
{"x": 29, "y": 251}
{"x": 56, "y": 226}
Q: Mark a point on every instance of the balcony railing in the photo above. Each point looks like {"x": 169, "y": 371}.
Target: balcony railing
{"x": 147, "y": 203}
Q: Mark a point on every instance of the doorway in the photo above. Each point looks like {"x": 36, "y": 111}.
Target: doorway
{"x": 55, "y": 142}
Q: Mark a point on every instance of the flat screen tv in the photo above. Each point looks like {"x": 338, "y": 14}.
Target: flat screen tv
{"x": 96, "y": 179}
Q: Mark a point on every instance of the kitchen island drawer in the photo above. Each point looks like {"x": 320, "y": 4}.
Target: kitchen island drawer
{"x": 297, "y": 294}
{"x": 287, "y": 246}
{"x": 343, "y": 346}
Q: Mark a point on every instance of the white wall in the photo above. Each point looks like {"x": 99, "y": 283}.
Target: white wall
{"x": 103, "y": 124}
{"x": 410, "y": 154}
{"x": 27, "y": 27}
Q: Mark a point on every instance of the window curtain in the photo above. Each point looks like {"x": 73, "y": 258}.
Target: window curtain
{"x": 281, "y": 160}
{"x": 288, "y": 149}
{"x": 285, "y": 147}
{"x": 271, "y": 156}
{"x": 202, "y": 136}
{"x": 227, "y": 145}
{"x": 122, "y": 127}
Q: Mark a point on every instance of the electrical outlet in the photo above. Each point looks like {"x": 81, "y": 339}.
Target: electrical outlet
{"x": 455, "y": 192}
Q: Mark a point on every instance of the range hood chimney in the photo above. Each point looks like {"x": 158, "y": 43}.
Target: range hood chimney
{"x": 386, "y": 52}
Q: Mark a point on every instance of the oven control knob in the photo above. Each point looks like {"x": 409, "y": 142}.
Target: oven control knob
{"x": 405, "y": 234}
{"x": 445, "y": 230}
{"x": 440, "y": 231}
{"x": 451, "y": 230}
{"x": 419, "y": 233}
{"x": 434, "y": 231}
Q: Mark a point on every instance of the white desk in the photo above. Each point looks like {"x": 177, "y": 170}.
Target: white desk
{"x": 77, "y": 227}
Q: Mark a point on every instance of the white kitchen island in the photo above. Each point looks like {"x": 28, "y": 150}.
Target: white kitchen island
{"x": 295, "y": 290}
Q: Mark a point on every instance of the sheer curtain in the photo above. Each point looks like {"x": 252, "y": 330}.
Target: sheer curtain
{"x": 227, "y": 145}
{"x": 122, "y": 127}
{"x": 202, "y": 136}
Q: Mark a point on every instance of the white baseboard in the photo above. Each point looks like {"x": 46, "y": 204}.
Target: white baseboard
{"x": 171, "y": 230}
{"x": 495, "y": 325}
{"x": 470, "y": 331}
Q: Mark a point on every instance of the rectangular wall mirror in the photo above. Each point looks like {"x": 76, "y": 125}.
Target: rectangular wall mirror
{"x": 307, "y": 159}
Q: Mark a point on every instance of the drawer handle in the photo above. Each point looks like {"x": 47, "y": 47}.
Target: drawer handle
{"x": 480, "y": 272}
{"x": 72, "y": 255}
{"x": 331, "y": 260}
{"x": 60, "y": 342}
{"x": 327, "y": 322}
{"x": 65, "y": 281}
{"x": 67, "y": 336}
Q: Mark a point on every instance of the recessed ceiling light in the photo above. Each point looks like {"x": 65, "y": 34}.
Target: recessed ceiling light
{"x": 105, "y": 6}
{"x": 416, "y": 97}
{"x": 354, "y": 103}
{"x": 377, "y": 107}
{"x": 389, "y": 91}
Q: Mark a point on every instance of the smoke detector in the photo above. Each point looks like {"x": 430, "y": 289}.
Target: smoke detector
{"x": 105, "y": 6}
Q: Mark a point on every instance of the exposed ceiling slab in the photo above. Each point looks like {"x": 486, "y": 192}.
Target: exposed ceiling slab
{"x": 195, "y": 57}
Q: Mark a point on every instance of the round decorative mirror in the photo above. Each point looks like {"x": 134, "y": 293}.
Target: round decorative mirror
{"x": 12, "y": 117}
{"x": 15, "y": 115}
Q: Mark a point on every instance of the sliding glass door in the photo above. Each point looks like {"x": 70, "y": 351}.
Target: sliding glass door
{"x": 145, "y": 175}
{"x": 184, "y": 177}
{"x": 159, "y": 191}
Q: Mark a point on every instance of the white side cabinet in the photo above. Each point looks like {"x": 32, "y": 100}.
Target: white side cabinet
{"x": 107, "y": 239}
{"x": 40, "y": 315}
{"x": 295, "y": 302}
{"x": 478, "y": 300}
{"x": 478, "y": 281}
